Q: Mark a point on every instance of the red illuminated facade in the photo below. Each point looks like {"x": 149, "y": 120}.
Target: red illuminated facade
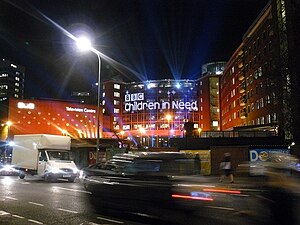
{"x": 53, "y": 117}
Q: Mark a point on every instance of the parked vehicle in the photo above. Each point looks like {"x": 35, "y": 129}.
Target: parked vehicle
{"x": 45, "y": 155}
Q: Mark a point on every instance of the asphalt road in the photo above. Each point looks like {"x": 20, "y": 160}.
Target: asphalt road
{"x": 34, "y": 201}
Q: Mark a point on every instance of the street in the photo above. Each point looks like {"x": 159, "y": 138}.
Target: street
{"x": 33, "y": 201}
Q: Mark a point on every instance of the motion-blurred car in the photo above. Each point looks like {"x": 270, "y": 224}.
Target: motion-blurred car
{"x": 164, "y": 185}
{"x": 102, "y": 168}
{"x": 280, "y": 190}
{"x": 8, "y": 170}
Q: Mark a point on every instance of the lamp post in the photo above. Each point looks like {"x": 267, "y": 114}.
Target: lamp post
{"x": 8, "y": 124}
{"x": 199, "y": 130}
{"x": 84, "y": 44}
{"x": 122, "y": 132}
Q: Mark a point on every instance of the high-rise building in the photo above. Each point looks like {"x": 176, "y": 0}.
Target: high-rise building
{"x": 259, "y": 88}
{"x": 209, "y": 98}
{"x": 11, "y": 80}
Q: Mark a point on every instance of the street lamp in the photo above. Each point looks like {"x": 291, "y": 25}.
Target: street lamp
{"x": 122, "y": 132}
{"x": 84, "y": 44}
{"x": 199, "y": 130}
{"x": 8, "y": 124}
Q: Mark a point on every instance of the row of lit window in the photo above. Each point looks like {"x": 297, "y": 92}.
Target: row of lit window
{"x": 58, "y": 124}
{"x": 269, "y": 118}
{"x": 260, "y": 103}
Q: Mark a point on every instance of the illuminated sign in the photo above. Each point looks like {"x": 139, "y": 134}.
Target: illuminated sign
{"x": 81, "y": 110}
{"x": 23, "y": 105}
{"x": 134, "y": 102}
{"x": 134, "y": 97}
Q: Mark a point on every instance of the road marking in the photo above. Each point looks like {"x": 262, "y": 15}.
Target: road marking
{"x": 17, "y": 216}
{"x": 67, "y": 210}
{"x": 35, "y": 221}
{"x": 91, "y": 223}
{"x": 3, "y": 213}
{"x": 109, "y": 220}
{"x": 74, "y": 190}
{"x": 11, "y": 198}
{"x": 223, "y": 208}
{"x": 35, "y": 203}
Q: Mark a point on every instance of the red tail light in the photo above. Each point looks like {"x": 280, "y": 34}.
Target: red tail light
{"x": 192, "y": 197}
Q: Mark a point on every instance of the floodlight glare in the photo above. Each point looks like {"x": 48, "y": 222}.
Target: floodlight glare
{"x": 83, "y": 44}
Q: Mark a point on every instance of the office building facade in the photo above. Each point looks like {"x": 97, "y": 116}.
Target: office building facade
{"x": 259, "y": 85}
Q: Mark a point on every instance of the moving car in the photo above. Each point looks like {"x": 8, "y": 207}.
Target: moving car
{"x": 8, "y": 170}
{"x": 164, "y": 185}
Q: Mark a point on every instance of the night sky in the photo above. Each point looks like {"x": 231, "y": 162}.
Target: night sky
{"x": 147, "y": 39}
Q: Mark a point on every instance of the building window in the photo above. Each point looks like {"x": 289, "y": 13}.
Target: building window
{"x": 117, "y": 86}
{"x": 215, "y": 123}
{"x": 117, "y": 94}
{"x": 116, "y": 110}
{"x": 268, "y": 120}
{"x": 268, "y": 99}
{"x": 258, "y": 121}
{"x": 261, "y": 103}
{"x": 116, "y": 102}
{"x": 262, "y": 120}
{"x": 257, "y": 104}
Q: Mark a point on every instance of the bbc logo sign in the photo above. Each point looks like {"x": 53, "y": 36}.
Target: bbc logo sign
{"x": 134, "y": 97}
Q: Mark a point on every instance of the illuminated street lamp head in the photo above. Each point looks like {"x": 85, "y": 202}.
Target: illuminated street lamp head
{"x": 142, "y": 130}
{"x": 83, "y": 44}
{"x": 168, "y": 117}
{"x": 9, "y": 123}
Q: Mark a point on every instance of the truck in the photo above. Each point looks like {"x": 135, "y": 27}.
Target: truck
{"x": 45, "y": 155}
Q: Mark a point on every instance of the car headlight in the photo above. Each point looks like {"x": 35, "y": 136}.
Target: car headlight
{"x": 75, "y": 170}
{"x": 8, "y": 168}
{"x": 80, "y": 174}
{"x": 55, "y": 170}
